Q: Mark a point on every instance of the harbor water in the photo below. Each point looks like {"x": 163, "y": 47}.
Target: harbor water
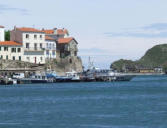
{"x": 140, "y": 103}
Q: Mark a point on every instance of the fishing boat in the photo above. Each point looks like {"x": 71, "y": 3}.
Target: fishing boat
{"x": 74, "y": 76}
{"x": 106, "y": 74}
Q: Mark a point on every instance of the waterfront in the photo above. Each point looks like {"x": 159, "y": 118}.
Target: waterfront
{"x": 140, "y": 103}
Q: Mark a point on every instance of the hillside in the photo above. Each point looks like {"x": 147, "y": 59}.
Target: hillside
{"x": 154, "y": 57}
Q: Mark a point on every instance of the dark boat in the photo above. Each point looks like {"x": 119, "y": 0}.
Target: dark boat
{"x": 34, "y": 79}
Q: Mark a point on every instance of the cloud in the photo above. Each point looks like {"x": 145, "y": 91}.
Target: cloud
{"x": 157, "y": 26}
{"x": 5, "y": 8}
{"x": 158, "y": 30}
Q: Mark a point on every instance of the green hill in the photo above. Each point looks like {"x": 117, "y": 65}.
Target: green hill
{"x": 154, "y": 57}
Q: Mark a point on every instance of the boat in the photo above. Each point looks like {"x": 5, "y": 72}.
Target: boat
{"x": 74, "y": 76}
{"x": 34, "y": 79}
{"x": 105, "y": 74}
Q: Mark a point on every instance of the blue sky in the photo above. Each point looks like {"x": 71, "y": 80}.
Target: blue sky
{"x": 106, "y": 30}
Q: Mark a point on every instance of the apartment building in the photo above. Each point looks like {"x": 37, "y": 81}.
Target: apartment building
{"x": 33, "y": 44}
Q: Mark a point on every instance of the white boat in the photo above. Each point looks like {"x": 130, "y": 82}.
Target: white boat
{"x": 34, "y": 79}
{"x": 106, "y": 74}
{"x": 74, "y": 76}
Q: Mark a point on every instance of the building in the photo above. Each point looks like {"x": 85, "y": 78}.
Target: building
{"x": 33, "y": 44}
{"x": 2, "y": 33}
{"x": 11, "y": 50}
{"x": 146, "y": 70}
{"x": 50, "y": 50}
{"x": 66, "y": 47}
{"x": 37, "y": 46}
{"x": 56, "y": 33}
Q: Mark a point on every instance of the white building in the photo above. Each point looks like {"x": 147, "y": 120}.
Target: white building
{"x": 2, "y": 33}
{"x": 33, "y": 45}
{"x": 50, "y": 50}
{"x": 10, "y": 50}
{"x": 33, "y": 41}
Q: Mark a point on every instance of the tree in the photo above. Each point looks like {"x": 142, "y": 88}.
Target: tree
{"x": 7, "y": 35}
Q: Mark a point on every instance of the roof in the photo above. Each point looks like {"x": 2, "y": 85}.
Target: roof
{"x": 49, "y": 38}
{"x": 48, "y": 31}
{"x": 10, "y": 43}
{"x": 65, "y": 40}
{"x": 2, "y": 26}
{"x": 24, "y": 29}
{"x": 62, "y": 31}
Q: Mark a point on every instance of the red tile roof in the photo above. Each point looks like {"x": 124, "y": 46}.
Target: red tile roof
{"x": 2, "y": 26}
{"x": 48, "y": 31}
{"x": 49, "y": 38}
{"x": 65, "y": 40}
{"x": 24, "y": 29}
{"x": 10, "y": 43}
{"x": 62, "y": 31}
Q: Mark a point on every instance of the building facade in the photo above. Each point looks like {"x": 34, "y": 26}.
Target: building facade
{"x": 2, "y": 33}
{"x": 37, "y": 46}
{"x": 33, "y": 42}
{"x": 10, "y": 50}
{"x": 50, "y": 50}
{"x": 66, "y": 47}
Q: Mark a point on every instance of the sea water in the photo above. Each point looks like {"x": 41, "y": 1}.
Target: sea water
{"x": 140, "y": 103}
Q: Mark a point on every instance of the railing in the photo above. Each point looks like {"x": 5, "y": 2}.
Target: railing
{"x": 50, "y": 48}
{"x": 34, "y": 49}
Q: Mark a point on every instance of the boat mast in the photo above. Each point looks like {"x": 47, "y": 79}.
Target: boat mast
{"x": 90, "y": 63}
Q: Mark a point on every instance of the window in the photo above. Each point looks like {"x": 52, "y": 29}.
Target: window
{"x": 35, "y": 36}
{"x": 27, "y": 45}
{"x": 27, "y": 36}
{"x": 28, "y": 58}
{"x": 0, "y": 48}
{"x": 41, "y": 58}
{"x": 41, "y": 36}
{"x": 7, "y": 57}
{"x": 47, "y": 45}
{"x": 53, "y": 53}
{"x": 70, "y": 60}
{"x": 13, "y": 49}
{"x": 13, "y": 57}
{"x": 5, "y": 48}
{"x": 75, "y": 53}
{"x": 19, "y": 58}
{"x": 40, "y": 45}
{"x": 35, "y": 46}
{"x": 1, "y": 56}
{"x": 19, "y": 50}
{"x": 47, "y": 52}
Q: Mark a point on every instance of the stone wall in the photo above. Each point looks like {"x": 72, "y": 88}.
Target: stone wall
{"x": 61, "y": 66}
{"x": 66, "y": 65}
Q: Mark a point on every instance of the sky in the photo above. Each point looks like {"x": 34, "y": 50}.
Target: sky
{"x": 106, "y": 30}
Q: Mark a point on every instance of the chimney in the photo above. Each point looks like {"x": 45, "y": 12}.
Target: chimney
{"x": 2, "y": 33}
{"x": 14, "y": 28}
{"x": 55, "y": 30}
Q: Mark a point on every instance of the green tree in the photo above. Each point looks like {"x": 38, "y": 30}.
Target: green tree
{"x": 7, "y": 35}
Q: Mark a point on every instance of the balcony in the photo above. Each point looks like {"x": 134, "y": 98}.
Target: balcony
{"x": 34, "y": 49}
{"x": 50, "y": 48}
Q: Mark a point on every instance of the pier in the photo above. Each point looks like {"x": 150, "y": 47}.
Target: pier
{"x": 11, "y": 71}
